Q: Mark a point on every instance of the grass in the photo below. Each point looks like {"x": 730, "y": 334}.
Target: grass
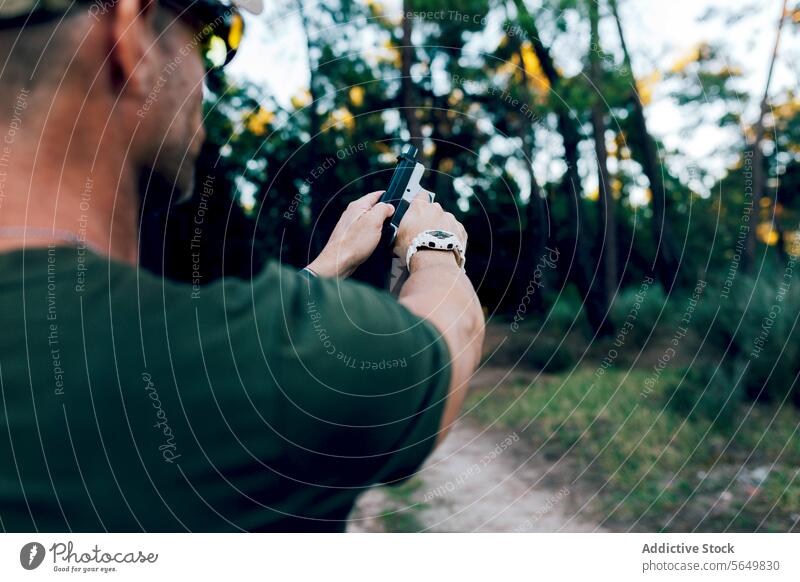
{"x": 404, "y": 520}
{"x": 651, "y": 468}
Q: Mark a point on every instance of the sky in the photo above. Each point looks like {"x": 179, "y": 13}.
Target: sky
{"x": 658, "y": 32}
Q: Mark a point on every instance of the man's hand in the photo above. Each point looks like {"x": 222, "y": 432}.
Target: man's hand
{"x": 421, "y": 216}
{"x": 355, "y": 237}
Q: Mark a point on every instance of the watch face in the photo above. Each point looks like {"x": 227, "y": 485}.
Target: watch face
{"x": 440, "y": 234}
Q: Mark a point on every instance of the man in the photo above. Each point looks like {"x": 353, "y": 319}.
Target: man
{"x": 132, "y": 403}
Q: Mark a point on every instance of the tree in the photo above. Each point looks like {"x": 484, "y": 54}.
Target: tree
{"x": 571, "y": 186}
{"x": 410, "y": 103}
{"x": 666, "y": 261}
{"x": 759, "y": 175}
{"x": 608, "y": 242}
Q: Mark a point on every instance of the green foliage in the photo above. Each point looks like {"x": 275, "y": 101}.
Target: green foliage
{"x": 566, "y": 314}
{"x": 402, "y": 516}
{"x": 643, "y": 307}
{"x": 551, "y": 355}
{"x": 711, "y": 394}
{"x": 755, "y": 328}
{"x": 781, "y": 497}
{"x": 486, "y": 109}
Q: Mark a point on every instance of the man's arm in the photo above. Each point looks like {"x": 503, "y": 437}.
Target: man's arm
{"x": 438, "y": 290}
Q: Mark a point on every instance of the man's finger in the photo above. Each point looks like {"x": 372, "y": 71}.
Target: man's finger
{"x": 380, "y": 212}
{"x": 369, "y": 200}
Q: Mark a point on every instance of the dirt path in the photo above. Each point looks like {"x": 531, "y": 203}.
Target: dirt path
{"x": 478, "y": 480}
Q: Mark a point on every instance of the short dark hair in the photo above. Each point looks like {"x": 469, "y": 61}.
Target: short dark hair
{"x": 38, "y": 52}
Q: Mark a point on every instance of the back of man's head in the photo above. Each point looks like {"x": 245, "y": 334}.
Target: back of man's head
{"x": 123, "y": 75}
{"x": 36, "y": 55}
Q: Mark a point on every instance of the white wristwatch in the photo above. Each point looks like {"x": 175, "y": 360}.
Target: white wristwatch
{"x": 438, "y": 240}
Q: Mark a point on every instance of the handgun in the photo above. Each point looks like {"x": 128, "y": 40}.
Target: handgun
{"x": 383, "y": 270}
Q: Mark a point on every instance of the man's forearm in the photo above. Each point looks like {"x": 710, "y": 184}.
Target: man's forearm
{"x": 438, "y": 291}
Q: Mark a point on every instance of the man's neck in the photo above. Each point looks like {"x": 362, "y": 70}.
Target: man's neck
{"x": 58, "y": 187}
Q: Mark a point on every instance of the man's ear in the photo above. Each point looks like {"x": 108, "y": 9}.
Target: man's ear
{"x": 134, "y": 62}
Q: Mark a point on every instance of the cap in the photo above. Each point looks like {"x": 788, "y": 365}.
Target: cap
{"x": 252, "y": 6}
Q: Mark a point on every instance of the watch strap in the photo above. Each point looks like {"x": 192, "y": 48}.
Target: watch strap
{"x": 434, "y": 240}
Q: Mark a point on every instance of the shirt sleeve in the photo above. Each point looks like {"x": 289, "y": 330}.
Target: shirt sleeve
{"x": 362, "y": 380}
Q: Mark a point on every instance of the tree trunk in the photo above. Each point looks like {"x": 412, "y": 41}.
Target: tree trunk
{"x": 408, "y": 96}
{"x": 317, "y": 198}
{"x": 608, "y": 236}
{"x": 780, "y": 246}
{"x": 666, "y": 261}
{"x": 759, "y": 173}
{"x": 571, "y": 184}
{"x": 534, "y": 237}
